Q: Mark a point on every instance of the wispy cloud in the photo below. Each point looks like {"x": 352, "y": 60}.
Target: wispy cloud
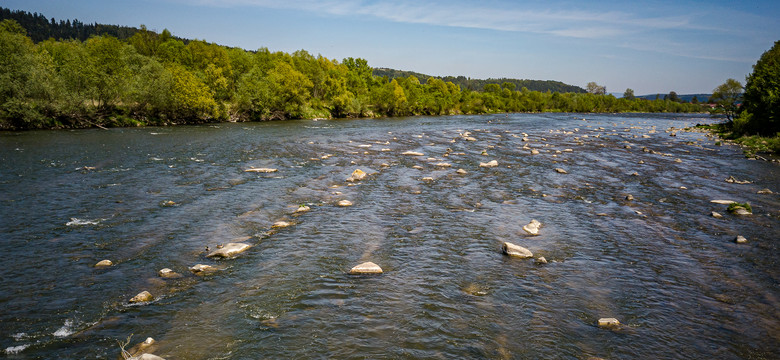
{"x": 503, "y": 17}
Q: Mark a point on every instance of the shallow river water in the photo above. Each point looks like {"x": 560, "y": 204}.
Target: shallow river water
{"x": 153, "y": 198}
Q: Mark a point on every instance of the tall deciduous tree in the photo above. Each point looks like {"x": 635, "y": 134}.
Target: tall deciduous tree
{"x": 726, "y": 96}
{"x": 762, "y": 93}
{"x": 629, "y": 94}
{"x": 596, "y": 89}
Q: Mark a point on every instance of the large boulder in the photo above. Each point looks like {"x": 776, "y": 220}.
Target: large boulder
{"x": 357, "y": 175}
{"x": 533, "y": 227}
{"x": 142, "y": 297}
{"x": 366, "y": 268}
{"x": 516, "y": 250}
{"x": 230, "y": 250}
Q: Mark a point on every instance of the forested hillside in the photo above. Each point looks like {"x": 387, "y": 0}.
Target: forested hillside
{"x": 154, "y": 78}
{"x": 479, "y": 84}
{"x": 40, "y": 28}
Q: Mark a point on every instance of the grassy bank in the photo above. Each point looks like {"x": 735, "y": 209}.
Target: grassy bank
{"x": 752, "y": 145}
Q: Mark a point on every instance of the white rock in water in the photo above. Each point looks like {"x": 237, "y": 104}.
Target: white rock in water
{"x": 516, "y": 250}
{"x": 345, "y": 203}
{"x": 261, "y": 170}
{"x": 533, "y": 227}
{"x": 469, "y": 138}
{"x": 560, "y": 171}
{"x": 146, "y": 357}
{"x": 357, "y": 175}
{"x": 412, "y": 153}
{"x": 142, "y": 297}
{"x": 104, "y": 263}
{"x": 366, "y": 268}
{"x": 229, "y": 250}
{"x": 301, "y": 209}
{"x": 716, "y": 215}
{"x": 201, "y": 269}
{"x": 723, "y": 202}
{"x": 765, "y": 191}
{"x": 443, "y": 164}
{"x": 541, "y": 260}
{"x": 489, "y": 164}
{"x": 168, "y": 274}
{"x": 427, "y": 179}
{"x": 740, "y": 239}
{"x": 534, "y": 152}
{"x": 608, "y": 322}
{"x": 462, "y": 172}
{"x": 281, "y": 224}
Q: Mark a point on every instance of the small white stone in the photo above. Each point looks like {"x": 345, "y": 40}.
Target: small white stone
{"x": 489, "y": 164}
{"x": 462, "y": 172}
{"x": 201, "y": 269}
{"x": 366, "y": 268}
{"x": 229, "y": 250}
{"x": 281, "y": 224}
{"x": 608, "y": 322}
{"x": 357, "y": 175}
{"x": 345, "y": 203}
{"x": 716, "y": 215}
{"x": 560, "y": 171}
{"x": 516, "y": 250}
{"x": 412, "y": 153}
{"x": 104, "y": 263}
{"x": 142, "y": 297}
{"x": 740, "y": 239}
{"x": 532, "y": 227}
{"x": 261, "y": 170}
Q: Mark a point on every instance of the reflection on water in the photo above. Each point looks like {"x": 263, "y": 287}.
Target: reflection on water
{"x": 154, "y": 198}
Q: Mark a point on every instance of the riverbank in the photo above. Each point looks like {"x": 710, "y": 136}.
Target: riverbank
{"x": 753, "y": 146}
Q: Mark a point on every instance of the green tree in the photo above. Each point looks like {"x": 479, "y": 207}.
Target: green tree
{"x": 672, "y": 97}
{"x": 629, "y": 94}
{"x": 761, "y": 108}
{"x": 596, "y": 89}
{"x": 726, "y": 97}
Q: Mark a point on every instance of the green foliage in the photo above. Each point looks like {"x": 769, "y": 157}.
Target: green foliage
{"x": 151, "y": 78}
{"x": 629, "y": 94}
{"x": 726, "y": 98}
{"x": 733, "y": 207}
{"x": 762, "y": 95}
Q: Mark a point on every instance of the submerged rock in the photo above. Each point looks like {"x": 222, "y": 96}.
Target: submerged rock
{"x": 532, "y": 227}
{"x": 168, "y": 274}
{"x": 462, "y": 172}
{"x": 146, "y": 357}
{"x": 357, "y": 175}
{"x": 302, "y": 208}
{"x": 541, "y": 260}
{"x": 489, "y": 164}
{"x": 765, "y": 191}
{"x": 516, "y": 250}
{"x": 560, "y": 171}
{"x": 230, "y": 250}
{"x": 281, "y": 224}
{"x": 734, "y": 180}
{"x": 629, "y": 197}
{"x": 608, "y": 322}
{"x": 366, "y": 268}
{"x": 143, "y": 348}
{"x": 201, "y": 269}
{"x": 261, "y": 170}
{"x": 104, "y": 263}
{"x": 344, "y": 203}
{"x": 740, "y": 239}
{"x": 144, "y": 296}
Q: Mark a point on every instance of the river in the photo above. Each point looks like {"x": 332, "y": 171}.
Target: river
{"x": 152, "y": 198}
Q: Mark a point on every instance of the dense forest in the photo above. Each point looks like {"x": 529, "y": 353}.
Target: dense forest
{"x": 479, "y": 84}
{"x": 40, "y": 28}
{"x": 151, "y": 78}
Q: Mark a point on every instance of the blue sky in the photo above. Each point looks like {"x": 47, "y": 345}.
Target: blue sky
{"x": 650, "y": 46}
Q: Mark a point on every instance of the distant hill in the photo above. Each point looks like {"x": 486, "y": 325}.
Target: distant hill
{"x": 684, "y": 98}
{"x": 479, "y": 84}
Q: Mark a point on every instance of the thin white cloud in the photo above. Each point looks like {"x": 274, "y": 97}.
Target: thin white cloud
{"x": 567, "y": 23}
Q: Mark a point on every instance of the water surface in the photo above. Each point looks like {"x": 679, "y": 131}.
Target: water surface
{"x": 153, "y": 198}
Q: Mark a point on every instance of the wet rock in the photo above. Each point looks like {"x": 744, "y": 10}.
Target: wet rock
{"x": 678, "y": 160}
{"x": 541, "y": 260}
{"x": 560, "y": 171}
{"x": 427, "y": 179}
{"x": 201, "y": 269}
{"x": 168, "y": 274}
{"x": 357, "y": 175}
{"x": 261, "y": 170}
{"x": 366, "y": 268}
{"x": 443, "y": 164}
{"x": 489, "y": 164}
{"x": 608, "y": 322}
{"x": 629, "y": 197}
{"x": 469, "y": 138}
{"x": 740, "y": 239}
{"x": 281, "y": 224}
{"x": 418, "y": 167}
{"x": 723, "y": 202}
{"x": 462, "y": 172}
{"x": 534, "y": 152}
{"x": 716, "y": 215}
{"x": 733, "y": 180}
{"x": 104, "y": 263}
{"x": 144, "y": 296}
{"x": 634, "y": 173}
{"x": 641, "y": 162}
{"x": 412, "y": 153}
{"x": 765, "y": 191}
{"x": 146, "y": 357}
{"x": 302, "y": 208}
{"x": 230, "y": 250}
{"x": 169, "y": 203}
{"x": 516, "y": 250}
{"x": 532, "y": 227}
{"x": 145, "y": 347}
{"x": 344, "y": 203}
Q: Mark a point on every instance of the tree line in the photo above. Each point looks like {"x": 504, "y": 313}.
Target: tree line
{"x": 153, "y": 78}
{"x": 479, "y": 84}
